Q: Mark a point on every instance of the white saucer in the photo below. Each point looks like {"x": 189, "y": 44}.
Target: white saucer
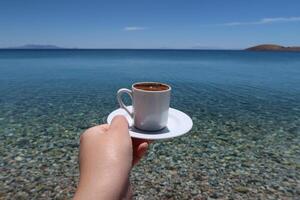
{"x": 179, "y": 124}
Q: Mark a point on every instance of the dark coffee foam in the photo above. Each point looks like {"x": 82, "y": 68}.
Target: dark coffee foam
{"x": 151, "y": 86}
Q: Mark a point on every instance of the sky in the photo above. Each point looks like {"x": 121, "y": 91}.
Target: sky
{"x": 212, "y": 24}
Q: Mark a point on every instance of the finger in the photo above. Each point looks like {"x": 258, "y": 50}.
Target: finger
{"x": 119, "y": 122}
{"x": 140, "y": 152}
{"x": 119, "y": 128}
{"x": 142, "y": 149}
{"x": 136, "y": 142}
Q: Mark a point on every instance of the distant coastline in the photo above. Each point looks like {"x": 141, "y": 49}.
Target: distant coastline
{"x": 263, "y": 47}
{"x": 54, "y": 47}
{"x": 35, "y": 46}
{"x": 272, "y": 47}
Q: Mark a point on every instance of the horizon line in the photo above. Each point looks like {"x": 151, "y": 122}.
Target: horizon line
{"x": 67, "y": 48}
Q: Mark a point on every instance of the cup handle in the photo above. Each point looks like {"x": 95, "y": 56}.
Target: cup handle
{"x": 119, "y": 98}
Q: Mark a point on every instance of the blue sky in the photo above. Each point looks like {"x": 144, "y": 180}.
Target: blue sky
{"x": 150, "y": 23}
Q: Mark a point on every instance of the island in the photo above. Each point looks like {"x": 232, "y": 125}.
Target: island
{"x": 272, "y": 47}
{"x": 35, "y": 46}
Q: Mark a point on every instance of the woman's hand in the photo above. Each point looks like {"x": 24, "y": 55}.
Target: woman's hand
{"x": 107, "y": 154}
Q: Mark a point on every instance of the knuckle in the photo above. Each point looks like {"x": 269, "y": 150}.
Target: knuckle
{"x": 92, "y": 132}
{"x": 85, "y": 135}
{"x": 89, "y": 133}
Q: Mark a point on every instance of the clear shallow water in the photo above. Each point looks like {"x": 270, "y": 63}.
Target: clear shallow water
{"x": 245, "y": 107}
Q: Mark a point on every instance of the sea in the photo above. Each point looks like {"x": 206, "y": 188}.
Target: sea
{"x": 245, "y": 106}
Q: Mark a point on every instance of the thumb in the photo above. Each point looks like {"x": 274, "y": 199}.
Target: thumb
{"x": 119, "y": 126}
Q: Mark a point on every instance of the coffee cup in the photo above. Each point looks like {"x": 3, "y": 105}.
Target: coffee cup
{"x": 150, "y": 104}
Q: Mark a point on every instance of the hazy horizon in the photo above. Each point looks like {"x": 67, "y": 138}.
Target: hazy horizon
{"x": 54, "y": 46}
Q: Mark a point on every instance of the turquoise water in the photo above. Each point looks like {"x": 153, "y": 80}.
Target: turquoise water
{"x": 245, "y": 107}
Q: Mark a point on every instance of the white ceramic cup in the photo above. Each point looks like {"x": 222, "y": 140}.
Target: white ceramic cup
{"x": 150, "y": 108}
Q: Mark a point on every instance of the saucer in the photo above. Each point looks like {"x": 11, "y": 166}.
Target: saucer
{"x": 179, "y": 124}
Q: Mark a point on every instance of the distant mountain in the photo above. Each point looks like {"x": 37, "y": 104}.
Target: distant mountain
{"x": 36, "y": 46}
{"x": 272, "y": 47}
